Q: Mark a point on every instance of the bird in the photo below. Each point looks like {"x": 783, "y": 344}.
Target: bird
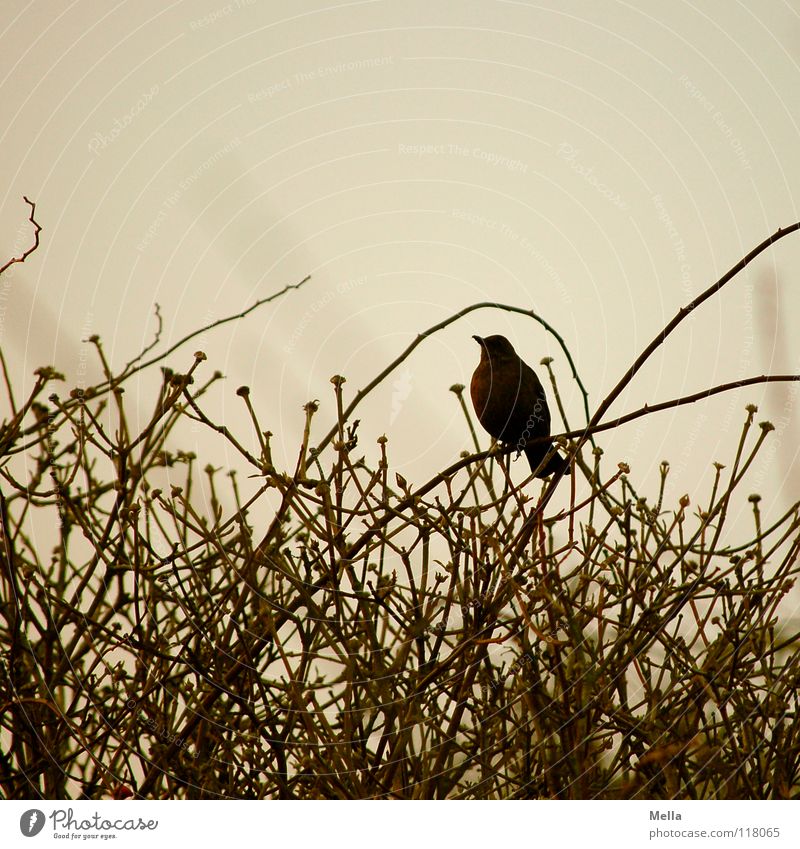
{"x": 510, "y": 403}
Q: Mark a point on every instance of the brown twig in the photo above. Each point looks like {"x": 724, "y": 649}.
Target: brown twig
{"x": 34, "y": 246}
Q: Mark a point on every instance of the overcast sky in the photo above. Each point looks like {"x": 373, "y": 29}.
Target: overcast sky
{"x": 598, "y": 162}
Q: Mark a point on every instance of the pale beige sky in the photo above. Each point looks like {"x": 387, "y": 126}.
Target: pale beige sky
{"x": 599, "y": 162}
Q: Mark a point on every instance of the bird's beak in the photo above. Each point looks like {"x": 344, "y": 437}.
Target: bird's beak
{"x": 478, "y": 339}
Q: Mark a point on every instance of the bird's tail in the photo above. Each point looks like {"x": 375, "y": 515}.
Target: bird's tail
{"x": 536, "y": 454}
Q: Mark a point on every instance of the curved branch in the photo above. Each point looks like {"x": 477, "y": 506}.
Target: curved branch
{"x": 135, "y": 366}
{"x": 126, "y": 374}
{"x": 32, "y": 248}
{"x": 686, "y": 399}
{"x": 362, "y": 393}
{"x": 659, "y": 340}
{"x": 682, "y": 313}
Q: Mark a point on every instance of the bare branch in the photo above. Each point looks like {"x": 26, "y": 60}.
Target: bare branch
{"x": 33, "y": 247}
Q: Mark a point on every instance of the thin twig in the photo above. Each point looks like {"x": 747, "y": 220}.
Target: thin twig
{"x": 32, "y": 248}
{"x": 362, "y": 393}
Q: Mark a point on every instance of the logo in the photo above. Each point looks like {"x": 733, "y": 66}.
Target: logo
{"x": 401, "y": 389}
{"x": 31, "y": 822}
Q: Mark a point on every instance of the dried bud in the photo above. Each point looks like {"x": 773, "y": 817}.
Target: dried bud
{"x": 48, "y": 373}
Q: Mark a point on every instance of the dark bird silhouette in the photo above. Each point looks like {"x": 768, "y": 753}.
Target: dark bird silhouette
{"x": 510, "y": 402}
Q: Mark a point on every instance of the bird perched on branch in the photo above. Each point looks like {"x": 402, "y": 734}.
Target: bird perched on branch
{"x": 510, "y": 402}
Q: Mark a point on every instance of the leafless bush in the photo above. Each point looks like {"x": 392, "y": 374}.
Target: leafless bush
{"x": 452, "y": 639}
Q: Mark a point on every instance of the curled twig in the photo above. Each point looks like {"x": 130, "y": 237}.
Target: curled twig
{"x": 34, "y": 246}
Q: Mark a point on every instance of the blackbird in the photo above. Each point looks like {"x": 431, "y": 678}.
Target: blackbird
{"x": 510, "y": 402}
